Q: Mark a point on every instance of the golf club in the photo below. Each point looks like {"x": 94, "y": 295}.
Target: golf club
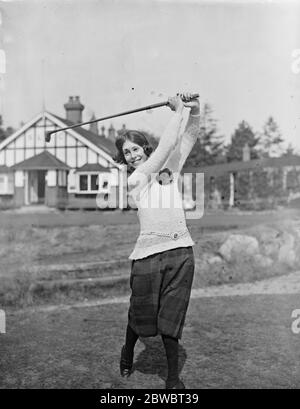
{"x": 146, "y": 108}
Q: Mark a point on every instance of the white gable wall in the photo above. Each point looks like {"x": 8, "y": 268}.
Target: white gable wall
{"x": 64, "y": 145}
{"x": 68, "y": 146}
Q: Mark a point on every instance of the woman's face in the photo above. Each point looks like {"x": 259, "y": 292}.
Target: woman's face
{"x": 134, "y": 154}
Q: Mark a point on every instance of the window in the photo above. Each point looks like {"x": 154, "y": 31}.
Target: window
{"x": 10, "y": 184}
{"x": 2, "y": 184}
{"x": 94, "y": 182}
{"x": 7, "y": 184}
{"x": 104, "y": 184}
{"x": 83, "y": 182}
{"x": 62, "y": 178}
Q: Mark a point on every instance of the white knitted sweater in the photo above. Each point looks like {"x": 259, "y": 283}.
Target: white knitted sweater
{"x": 160, "y": 210}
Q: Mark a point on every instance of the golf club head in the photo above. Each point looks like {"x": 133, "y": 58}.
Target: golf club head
{"x": 48, "y": 136}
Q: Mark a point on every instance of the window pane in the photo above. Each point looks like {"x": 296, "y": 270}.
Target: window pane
{"x": 10, "y": 184}
{"x": 83, "y": 182}
{"x": 94, "y": 182}
{"x": 2, "y": 184}
{"x": 62, "y": 178}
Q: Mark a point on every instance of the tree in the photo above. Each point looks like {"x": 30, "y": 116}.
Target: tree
{"x": 290, "y": 150}
{"x": 9, "y": 131}
{"x": 208, "y": 149}
{"x": 270, "y": 143}
{"x": 242, "y": 135}
{"x": 4, "y": 133}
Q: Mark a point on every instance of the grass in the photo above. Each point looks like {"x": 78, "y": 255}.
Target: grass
{"x": 48, "y": 264}
{"x": 228, "y": 342}
{"x": 29, "y": 256}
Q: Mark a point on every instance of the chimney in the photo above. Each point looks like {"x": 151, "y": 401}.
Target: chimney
{"x": 111, "y": 133}
{"x": 246, "y": 152}
{"x": 74, "y": 110}
{"x": 103, "y": 131}
{"x": 122, "y": 130}
{"x": 94, "y": 126}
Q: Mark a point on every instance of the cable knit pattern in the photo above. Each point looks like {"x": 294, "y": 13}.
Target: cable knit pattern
{"x": 160, "y": 210}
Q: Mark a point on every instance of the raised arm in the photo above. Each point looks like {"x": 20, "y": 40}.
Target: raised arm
{"x": 188, "y": 139}
{"x": 168, "y": 141}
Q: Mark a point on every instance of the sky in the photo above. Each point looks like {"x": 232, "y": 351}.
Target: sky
{"x": 240, "y": 56}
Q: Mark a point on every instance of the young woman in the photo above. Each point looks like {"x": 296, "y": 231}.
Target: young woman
{"x": 162, "y": 266}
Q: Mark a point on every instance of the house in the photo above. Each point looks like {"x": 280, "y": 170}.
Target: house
{"x": 253, "y": 184}
{"x": 71, "y": 171}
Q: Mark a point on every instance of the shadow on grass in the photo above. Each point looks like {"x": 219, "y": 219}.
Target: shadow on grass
{"x": 152, "y": 360}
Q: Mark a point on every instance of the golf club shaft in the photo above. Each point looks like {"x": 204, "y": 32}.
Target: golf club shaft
{"x": 132, "y": 111}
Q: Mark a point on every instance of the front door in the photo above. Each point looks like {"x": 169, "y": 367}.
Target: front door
{"x": 37, "y": 186}
{"x": 41, "y": 185}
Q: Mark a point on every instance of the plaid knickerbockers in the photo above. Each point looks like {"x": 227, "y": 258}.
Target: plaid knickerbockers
{"x": 161, "y": 287}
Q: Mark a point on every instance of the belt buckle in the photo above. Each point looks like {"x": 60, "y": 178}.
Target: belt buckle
{"x": 174, "y": 235}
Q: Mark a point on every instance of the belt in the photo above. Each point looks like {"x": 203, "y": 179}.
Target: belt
{"x": 173, "y": 235}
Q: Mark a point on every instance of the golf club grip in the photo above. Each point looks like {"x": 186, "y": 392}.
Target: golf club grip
{"x": 195, "y": 96}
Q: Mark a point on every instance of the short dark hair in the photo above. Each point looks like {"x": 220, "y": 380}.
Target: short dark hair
{"x": 133, "y": 136}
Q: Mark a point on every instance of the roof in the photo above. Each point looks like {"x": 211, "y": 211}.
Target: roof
{"x": 103, "y": 143}
{"x": 93, "y": 167}
{"x": 5, "y": 169}
{"x": 290, "y": 160}
{"x": 42, "y": 161}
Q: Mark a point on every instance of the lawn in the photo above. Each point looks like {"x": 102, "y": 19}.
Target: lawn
{"x": 43, "y": 261}
{"x": 228, "y": 342}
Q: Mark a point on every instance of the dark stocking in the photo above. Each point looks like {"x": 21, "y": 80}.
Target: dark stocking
{"x": 131, "y": 338}
{"x": 171, "y": 347}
